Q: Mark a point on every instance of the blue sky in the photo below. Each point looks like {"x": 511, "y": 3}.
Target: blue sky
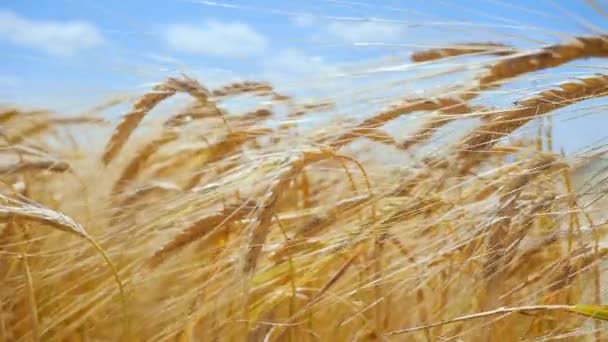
{"x": 68, "y": 54}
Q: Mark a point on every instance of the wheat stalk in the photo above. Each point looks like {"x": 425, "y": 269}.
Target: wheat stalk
{"x": 239, "y": 88}
{"x": 201, "y": 228}
{"x": 505, "y": 122}
{"x": 133, "y": 168}
{"x": 462, "y": 49}
{"x": 145, "y": 104}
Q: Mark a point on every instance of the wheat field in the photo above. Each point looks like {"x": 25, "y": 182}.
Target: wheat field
{"x": 295, "y": 221}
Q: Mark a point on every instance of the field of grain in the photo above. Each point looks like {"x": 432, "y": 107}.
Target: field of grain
{"x": 294, "y": 221}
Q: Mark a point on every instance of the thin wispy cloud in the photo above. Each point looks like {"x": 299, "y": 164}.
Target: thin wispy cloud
{"x": 216, "y": 38}
{"x": 350, "y": 31}
{"x": 303, "y": 20}
{"x": 368, "y": 31}
{"x": 291, "y": 68}
{"x": 295, "y": 61}
{"x": 63, "y": 38}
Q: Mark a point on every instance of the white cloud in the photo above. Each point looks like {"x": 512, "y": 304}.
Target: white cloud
{"x": 303, "y": 20}
{"x": 53, "y": 37}
{"x": 367, "y": 31}
{"x": 215, "y": 38}
{"x": 300, "y": 74}
{"x": 297, "y": 62}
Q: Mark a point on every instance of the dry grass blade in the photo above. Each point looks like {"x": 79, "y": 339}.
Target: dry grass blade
{"x": 323, "y": 290}
{"x": 503, "y": 239}
{"x": 31, "y": 299}
{"x": 499, "y": 311}
{"x": 593, "y": 311}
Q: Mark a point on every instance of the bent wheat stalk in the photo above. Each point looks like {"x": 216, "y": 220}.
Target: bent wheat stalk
{"x": 447, "y": 105}
{"x": 261, "y": 226}
{"x": 144, "y": 105}
{"x": 499, "y": 311}
{"x": 195, "y": 112}
{"x": 57, "y": 220}
{"x": 507, "y": 121}
{"x": 223, "y": 149}
{"x": 548, "y": 57}
{"x": 508, "y": 68}
{"x": 462, "y": 49}
{"x": 131, "y": 171}
{"x": 201, "y": 228}
{"x": 34, "y": 165}
{"x": 245, "y": 87}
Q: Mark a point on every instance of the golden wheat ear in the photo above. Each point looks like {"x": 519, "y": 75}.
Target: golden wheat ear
{"x": 311, "y": 107}
{"x": 201, "y": 228}
{"x": 548, "y": 57}
{"x": 505, "y": 122}
{"x": 194, "y": 112}
{"x": 450, "y": 105}
{"x": 505, "y": 69}
{"x": 488, "y": 48}
{"x": 134, "y": 166}
{"x": 144, "y": 105}
{"x": 246, "y": 87}
{"x": 260, "y": 228}
{"x": 8, "y": 114}
{"x": 223, "y": 149}
{"x": 35, "y": 165}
